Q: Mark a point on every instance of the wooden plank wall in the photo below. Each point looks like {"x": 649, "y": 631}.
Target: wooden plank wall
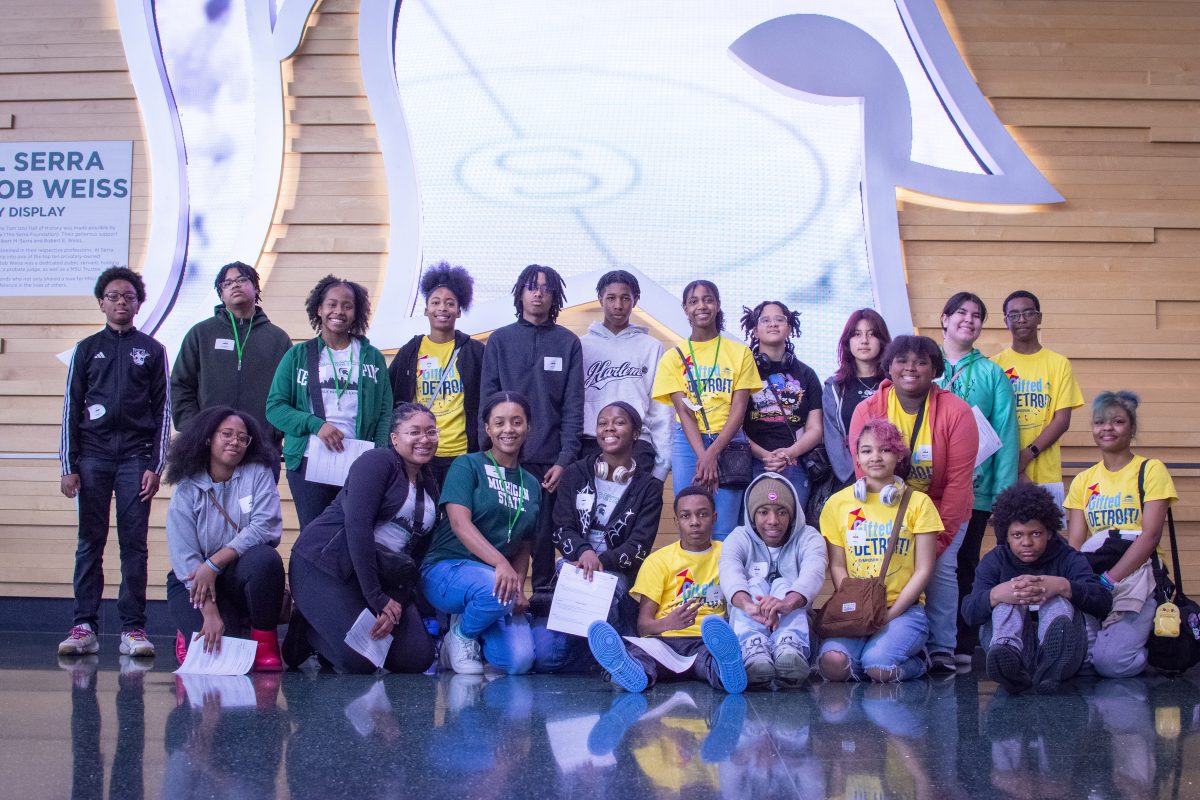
{"x": 1103, "y": 95}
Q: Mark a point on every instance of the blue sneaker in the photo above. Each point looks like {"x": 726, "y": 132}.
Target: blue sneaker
{"x": 608, "y": 648}
{"x": 722, "y": 643}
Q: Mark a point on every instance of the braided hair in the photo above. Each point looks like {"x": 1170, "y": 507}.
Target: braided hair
{"x": 554, "y": 281}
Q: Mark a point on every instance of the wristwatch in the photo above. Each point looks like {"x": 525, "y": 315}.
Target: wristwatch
{"x": 1037, "y": 451}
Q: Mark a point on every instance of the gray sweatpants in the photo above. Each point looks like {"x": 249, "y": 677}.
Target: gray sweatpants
{"x": 1119, "y": 650}
{"x": 1010, "y": 625}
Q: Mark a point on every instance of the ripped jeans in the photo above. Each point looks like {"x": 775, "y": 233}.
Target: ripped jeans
{"x": 895, "y": 649}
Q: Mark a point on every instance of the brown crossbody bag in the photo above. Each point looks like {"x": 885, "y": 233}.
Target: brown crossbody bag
{"x": 859, "y": 606}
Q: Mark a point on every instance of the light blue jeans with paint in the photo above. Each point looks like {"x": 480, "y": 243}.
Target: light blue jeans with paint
{"x": 794, "y": 625}
{"x": 896, "y": 648}
{"x": 941, "y": 597}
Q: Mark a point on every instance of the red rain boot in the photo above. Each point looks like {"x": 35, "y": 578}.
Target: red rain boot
{"x": 181, "y": 647}
{"x": 267, "y": 658}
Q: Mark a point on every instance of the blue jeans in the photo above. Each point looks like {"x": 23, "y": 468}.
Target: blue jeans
{"x": 465, "y": 587}
{"x": 683, "y": 472}
{"x": 795, "y": 475}
{"x": 941, "y": 597}
{"x": 555, "y": 651}
{"x": 99, "y": 480}
{"x": 895, "y": 648}
{"x": 794, "y": 625}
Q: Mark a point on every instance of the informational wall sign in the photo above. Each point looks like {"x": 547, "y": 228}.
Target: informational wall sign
{"x": 64, "y": 214}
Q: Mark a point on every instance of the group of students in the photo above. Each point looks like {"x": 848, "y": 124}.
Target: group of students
{"x": 485, "y": 462}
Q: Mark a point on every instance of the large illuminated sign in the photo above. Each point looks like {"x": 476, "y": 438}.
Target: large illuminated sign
{"x": 756, "y": 144}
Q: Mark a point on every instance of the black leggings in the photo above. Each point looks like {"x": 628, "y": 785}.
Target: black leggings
{"x": 249, "y": 592}
{"x": 330, "y": 606}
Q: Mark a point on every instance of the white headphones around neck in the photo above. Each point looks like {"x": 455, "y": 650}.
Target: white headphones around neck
{"x": 890, "y": 495}
{"x": 619, "y": 474}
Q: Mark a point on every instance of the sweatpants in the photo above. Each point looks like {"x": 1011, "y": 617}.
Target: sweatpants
{"x": 330, "y": 606}
{"x": 249, "y": 594}
{"x": 1013, "y": 625}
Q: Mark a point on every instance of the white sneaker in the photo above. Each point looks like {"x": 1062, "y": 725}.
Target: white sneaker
{"x": 791, "y": 667}
{"x": 134, "y": 643}
{"x": 81, "y": 641}
{"x": 459, "y": 652}
{"x": 756, "y": 657}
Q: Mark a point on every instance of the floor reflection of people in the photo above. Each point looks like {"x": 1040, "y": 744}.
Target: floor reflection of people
{"x": 872, "y": 740}
{"x": 87, "y": 760}
{"x": 225, "y": 738}
{"x": 775, "y": 755}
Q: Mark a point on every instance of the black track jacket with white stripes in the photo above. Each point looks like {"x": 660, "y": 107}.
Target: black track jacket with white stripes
{"x": 118, "y": 403}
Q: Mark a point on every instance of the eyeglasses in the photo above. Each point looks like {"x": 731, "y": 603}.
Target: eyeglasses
{"x": 1017, "y": 316}
{"x": 538, "y": 288}
{"x": 128, "y": 297}
{"x": 228, "y": 435}
{"x": 232, "y": 282}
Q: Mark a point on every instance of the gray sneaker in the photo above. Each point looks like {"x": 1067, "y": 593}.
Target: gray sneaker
{"x": 134, "y": 643}
{"x": 791, "y": 665}
{"x": 81, "y": 641}
{"x": 756, "y": 656}
{"x": 459, "y": 652}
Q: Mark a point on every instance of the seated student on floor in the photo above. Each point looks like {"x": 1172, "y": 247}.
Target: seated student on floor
{"x": 1119, "y": 506}
{"x": 1033, "y": 569}
{"x": 475, "y": 569}
{"x": 607, "y": 512}
{"x": 362, "y": 552}
{"x": 223, "y": 526}
{"x": 858, "y": 522}
{"x": 681, "y": 606}
{"x": 771, "y": 568}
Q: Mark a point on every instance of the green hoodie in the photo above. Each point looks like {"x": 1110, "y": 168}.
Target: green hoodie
{"x": 981, "y": 383}
{"x": 290, "y": 410}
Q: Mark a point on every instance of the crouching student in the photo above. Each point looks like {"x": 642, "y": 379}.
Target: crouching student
{"x": 770, "y": 568}
{"x": 475, "y": 569}
{"x": 858, "y": 523}
{"x": 223, "y": 526}
{"x": 362, "y": 553}
{"x": 681, "y": 605}
{"x": 1033, "y": 570}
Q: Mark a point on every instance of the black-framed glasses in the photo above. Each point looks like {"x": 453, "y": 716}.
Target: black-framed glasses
{"x": 1017, "y": 316}
{"x": 232, "y": 282}
{"x": 128, "y": 297}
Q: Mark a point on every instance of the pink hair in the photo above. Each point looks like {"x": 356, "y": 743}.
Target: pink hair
{"x": 887, "y": 436}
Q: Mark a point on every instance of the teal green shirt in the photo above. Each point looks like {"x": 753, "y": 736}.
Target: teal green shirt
{"x": 496, "y": 499}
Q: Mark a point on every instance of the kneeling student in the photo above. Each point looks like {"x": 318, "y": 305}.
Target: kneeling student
{"x": 770, "y": 568}
{"x": 681, "y": 603}
{"x": 1033, "y": 569}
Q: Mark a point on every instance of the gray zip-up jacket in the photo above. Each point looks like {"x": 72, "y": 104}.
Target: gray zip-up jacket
{"x": 196, "y": 528}
{"x": 802, "y": 558}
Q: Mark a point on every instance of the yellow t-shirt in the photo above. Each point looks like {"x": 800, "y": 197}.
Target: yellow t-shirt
{"x": 433, "y": 380}
{"x": 719, "y": 372}
{"x": 1043, "y": 383}
{"x": 1109, "y": 500}
{"x": 672, "y": 575}
{"x": 663, "y": 761}
{"x": 863, "y": 530}
{"x": 922, "y": 457}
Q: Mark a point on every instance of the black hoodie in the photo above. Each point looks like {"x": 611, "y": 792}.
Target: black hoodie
{"x": 1059, "y": 560}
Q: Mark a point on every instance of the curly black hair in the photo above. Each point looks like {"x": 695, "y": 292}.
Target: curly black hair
{"x": 120, "y": 274}
{"x": 554, "y": 281}
{"x": 362, "y": 303}
{"x": 921, "y": 346}
{"x": 1025, "y": 502}
{"x": 750, "y": 317}
{"x": 191, "y": 450}
{"x": 246, "y": 271}
{"x": 712, "y": 287}
{"x": 454, "y": 278}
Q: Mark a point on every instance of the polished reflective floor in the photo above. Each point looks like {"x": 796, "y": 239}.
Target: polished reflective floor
{"x": 96, "y": 727}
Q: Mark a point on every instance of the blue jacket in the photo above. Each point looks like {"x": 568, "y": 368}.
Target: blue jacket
{"x": 1059, "y": 560}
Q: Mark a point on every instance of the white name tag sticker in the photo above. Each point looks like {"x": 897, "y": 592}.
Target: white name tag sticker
{"x": 223, "y": 344}
{"x": 924, "y": 452}
{"x": 759, "y": 569}
{"x": 583, "y": 502}
{"x": 552, "y": 364}
{"x": 848, "y": 607}
{"x": 246, "y": 503}
{"x": 96, "y": 411}
{"x": 427, "y": 364}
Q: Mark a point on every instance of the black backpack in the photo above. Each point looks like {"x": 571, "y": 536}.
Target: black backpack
{"x": 1174, "y": 655}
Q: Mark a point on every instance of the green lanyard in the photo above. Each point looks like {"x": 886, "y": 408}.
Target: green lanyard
{"x": 512, "y": 520}
{"x": 238, "y": 342}
{"x": 338, "y": 387}
{"x": 696, "y": 372}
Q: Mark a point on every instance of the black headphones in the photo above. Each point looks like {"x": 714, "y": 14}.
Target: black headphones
{"x": 789, "y": 357}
